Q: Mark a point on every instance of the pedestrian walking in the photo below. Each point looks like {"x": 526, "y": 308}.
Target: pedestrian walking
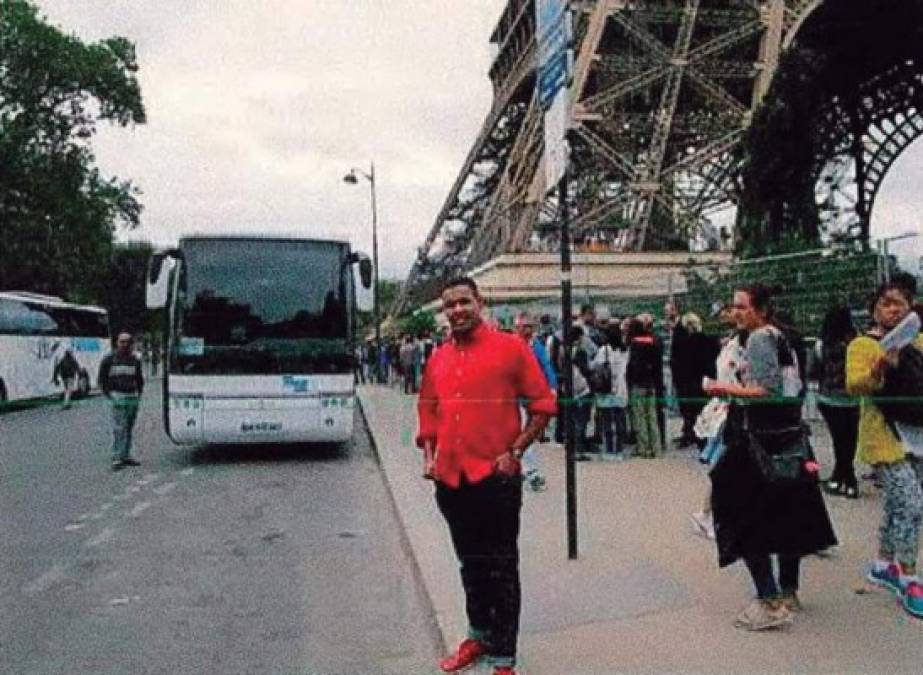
{"x": 408, "y": 360}
{"x": 644, "y": 375}
{"x": 472, "y": 439}
{"x": 122, "y": 382}
{"x": 868, "y": 368}
{"x": 66, "y": 371}
{"x": 525, "y": 328}
{"x": 839, "y": 410}
{"x": 759, "y": 512}
{"x": 612, "y": 404}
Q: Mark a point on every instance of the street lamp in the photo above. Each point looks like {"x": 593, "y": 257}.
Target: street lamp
{"x": 353, "y": 179}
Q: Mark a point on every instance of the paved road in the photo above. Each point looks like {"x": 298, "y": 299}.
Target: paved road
{"x": 212, "y": 560}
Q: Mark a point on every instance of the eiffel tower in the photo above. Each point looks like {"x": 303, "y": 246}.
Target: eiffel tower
{"x": 662, "y": 94}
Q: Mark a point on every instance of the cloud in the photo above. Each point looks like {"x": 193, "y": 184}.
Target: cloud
{"x": 257, "y": 109}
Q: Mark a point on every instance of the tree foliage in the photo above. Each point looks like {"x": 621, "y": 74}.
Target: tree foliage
{"x": 58, "y": 212}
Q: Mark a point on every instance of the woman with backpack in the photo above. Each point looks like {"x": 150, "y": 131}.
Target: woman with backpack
{"x": 839, "y": 410}
{"x": 869, "y": 369}
{"x": 611, "y": 360}
{"x": 765, "y": 497}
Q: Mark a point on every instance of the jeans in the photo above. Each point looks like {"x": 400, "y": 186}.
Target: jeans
{"x": 902, "y": 513}
{"x": 581, "y": 409}
{"x": 843, "y": 422}
{"x": 124, "y": 413}
{"x": 764, "y": 578}
{"x": 614, "y": 428}
{"x": 483, "y": 521}
{"x": 645, "y": 415}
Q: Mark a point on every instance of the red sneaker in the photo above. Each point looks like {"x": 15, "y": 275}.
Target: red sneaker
{"x": 504, "y": 670}
{"x": 467, "y": 653}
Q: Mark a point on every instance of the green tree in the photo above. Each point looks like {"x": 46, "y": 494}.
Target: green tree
{"x": 388, "y": 290}
{"x": 58, "y": 213}
{"x": 123, "y": 292}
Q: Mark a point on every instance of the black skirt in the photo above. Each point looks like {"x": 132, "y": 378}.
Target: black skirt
{"x": 753, "y": 517}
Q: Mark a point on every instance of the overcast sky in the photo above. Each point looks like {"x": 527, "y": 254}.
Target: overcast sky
{"x": 256, "y": 110}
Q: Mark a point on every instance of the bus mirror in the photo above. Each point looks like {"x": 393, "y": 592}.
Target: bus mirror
{"x": 158, "y": 281}
{"x": 365, "y": 272}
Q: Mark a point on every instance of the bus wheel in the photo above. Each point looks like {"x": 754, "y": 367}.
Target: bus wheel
{"x": 83, "y": 385}
{"x": 3, "y": 396}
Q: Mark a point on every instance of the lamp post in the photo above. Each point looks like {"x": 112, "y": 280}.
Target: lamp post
{"x": 353, "y": 179}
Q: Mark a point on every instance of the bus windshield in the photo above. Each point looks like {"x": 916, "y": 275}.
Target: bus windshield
{"x": 253, "y": 306}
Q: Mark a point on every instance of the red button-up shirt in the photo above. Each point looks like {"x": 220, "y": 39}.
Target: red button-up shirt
{"x": 469, "y": 402}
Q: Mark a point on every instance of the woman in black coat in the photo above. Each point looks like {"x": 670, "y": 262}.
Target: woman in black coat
{"x": 756, "y": 519}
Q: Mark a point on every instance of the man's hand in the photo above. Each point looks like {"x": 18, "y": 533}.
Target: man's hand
{"x": 429, "y": 462}
{"x": 507, "y": 465}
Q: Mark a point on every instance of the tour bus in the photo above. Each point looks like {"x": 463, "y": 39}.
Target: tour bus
{"x": 35, "y": 332}
{"x": 260, "y": 336}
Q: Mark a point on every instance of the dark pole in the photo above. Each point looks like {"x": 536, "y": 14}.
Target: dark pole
{"x": 567, "y": 389}
{"x": 375, "y": 314}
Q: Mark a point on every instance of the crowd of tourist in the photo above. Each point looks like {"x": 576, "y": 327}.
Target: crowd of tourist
{"x": 740, "y": 392}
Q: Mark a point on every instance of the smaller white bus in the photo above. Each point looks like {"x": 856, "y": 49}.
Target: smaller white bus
{"x": 35, "y": 332}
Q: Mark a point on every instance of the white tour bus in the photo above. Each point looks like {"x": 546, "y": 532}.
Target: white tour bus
{"x": 35, "y": 332}
{"x": 260, "y": 336}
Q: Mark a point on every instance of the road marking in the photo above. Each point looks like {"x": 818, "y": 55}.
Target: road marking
{"x": 164, "y": 489}
{"x": 101, "y": 538}
{"x": 139, "y": 509}
{"x": 187, "y": 472}
{"x": 73, "y": 527}
{"x": 106, "y": 506}
{"x": 57, "y": 573}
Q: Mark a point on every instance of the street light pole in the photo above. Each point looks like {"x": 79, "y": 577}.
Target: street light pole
{"x": 375, "y": 314}
{"x": 352, "y": 180}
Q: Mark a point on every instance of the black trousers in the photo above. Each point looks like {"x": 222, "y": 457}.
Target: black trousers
{"x": 483, "y": 520}
{"x": 764, "y": 579}
{"x": 843, "y": 422}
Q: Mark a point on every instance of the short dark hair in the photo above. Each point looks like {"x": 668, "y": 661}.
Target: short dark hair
{"x": 901, "y": 282}
{"x": 587, "y": 308}
{"x": 461, "y": 281}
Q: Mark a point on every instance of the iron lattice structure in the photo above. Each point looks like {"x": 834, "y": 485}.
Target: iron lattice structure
{"x": 853, "y": 81}
{"x": 662, "y": 96}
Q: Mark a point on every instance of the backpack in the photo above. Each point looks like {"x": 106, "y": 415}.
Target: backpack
{"x": 902, "y": 394}
{"x": 601, "y": 377}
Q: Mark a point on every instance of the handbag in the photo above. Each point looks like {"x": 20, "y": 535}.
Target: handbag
{"x": 784, "y": 456}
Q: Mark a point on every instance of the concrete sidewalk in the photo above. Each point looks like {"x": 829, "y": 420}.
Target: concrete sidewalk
{"x": 646, "y": 594}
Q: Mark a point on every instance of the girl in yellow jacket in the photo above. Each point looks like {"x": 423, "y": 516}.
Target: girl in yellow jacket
{"x": 866, "y": 366}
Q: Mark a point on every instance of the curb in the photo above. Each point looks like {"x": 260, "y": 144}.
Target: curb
{"x": 425, "y": 536}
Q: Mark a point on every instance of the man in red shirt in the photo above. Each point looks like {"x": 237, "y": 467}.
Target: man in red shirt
{"x": 472, "y": 440}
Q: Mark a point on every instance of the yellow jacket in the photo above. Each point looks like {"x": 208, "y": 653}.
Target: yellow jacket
{"x": 877, "y": 443}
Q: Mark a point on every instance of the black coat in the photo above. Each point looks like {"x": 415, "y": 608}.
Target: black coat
{"x": 755, "y": 518}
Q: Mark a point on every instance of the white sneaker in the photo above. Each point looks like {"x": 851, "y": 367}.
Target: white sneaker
{"x": 703, "y": 524}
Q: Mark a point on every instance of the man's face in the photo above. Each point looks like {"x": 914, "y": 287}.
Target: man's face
{"x": 525, "y": 328}
{"x": 462, "y": 307}
{"x": 589, "y": 317}
{"x": 123, "y": 343}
